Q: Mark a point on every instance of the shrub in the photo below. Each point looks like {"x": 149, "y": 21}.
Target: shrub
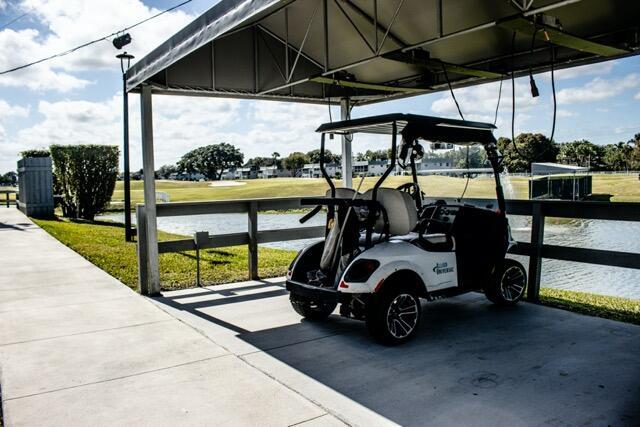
{"x": 35, "y": 153}
{"x": 85, "y": 176}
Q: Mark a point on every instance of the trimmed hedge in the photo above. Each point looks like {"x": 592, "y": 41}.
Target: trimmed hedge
{"x": 34, "y": 153}
{"x": 85, "y": 176}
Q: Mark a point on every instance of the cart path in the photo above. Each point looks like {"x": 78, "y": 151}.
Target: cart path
{"x": 77, "y": 347}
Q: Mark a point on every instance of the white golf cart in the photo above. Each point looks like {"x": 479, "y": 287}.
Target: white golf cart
{"x": 385, "y": 249}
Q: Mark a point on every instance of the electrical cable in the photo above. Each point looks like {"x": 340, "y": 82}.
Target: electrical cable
{"x": 67, "y": 52}
{"x": 495, "y": 118}
{"x": 329, "y": 102}
{"x": 453, "y": 95}
{"x": 553, "y": 90}
{"x": 13, "y": 20}
{"x": 466, "y": 184}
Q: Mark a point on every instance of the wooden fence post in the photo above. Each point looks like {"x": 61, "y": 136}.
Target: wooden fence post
{"x": 143, "y": 259}
{"x": 253, "y": 240}
{"x": 535, "y": 259}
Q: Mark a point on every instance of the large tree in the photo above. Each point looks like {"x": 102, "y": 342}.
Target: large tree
{"x": 581, "y": 153}
{"x": 294, "y": 162}
{"x": 211, "y": 160}
{"x": 477, "y": 157}
{"x": 165, "y": 171}
{"x": 531, "y": 147}
{"x": 618, "y": 157}
{"x": 314, "y": 156}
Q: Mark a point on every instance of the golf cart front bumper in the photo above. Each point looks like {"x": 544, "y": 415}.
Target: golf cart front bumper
{"x": 314, "y": 292}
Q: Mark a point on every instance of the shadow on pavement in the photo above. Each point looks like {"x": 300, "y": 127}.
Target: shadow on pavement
{"x": 471, "y": 363}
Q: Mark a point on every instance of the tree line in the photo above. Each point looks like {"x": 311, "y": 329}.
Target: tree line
{"x": 212, "y": 161}
{"x": 536, "y": 147}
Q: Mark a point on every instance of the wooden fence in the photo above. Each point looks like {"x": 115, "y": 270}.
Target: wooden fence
{"x": 536, "y": 250}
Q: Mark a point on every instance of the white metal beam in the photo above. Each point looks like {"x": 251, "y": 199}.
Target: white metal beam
{"x": 347, "y": 157}
{"x": 148, "y": 168}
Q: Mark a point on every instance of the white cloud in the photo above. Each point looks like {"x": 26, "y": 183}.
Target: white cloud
{"x": 598, "y": 69}
{"x": 8, "y": 110}
{"x": 180, "y": 124}
{"x": 482, "y": 100}
{"x": 71, "y": 23}
{"x": 566, "y": 113}
{"x": 598, "y": 89}
{"x": 15, "y": 46}
{"x": 637, "y": 95}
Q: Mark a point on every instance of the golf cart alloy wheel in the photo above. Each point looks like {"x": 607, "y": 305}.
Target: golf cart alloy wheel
{"x": 393, "y": 314}
{"x": 508, "y": 283}
{"x": 402, "y": 316}
{"x": 512, "y": 283}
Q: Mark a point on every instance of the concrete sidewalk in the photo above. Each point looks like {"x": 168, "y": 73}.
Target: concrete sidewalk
{"x": 79, "y": 348}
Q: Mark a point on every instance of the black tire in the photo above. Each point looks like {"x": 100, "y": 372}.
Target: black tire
{"x": 508, "y": 284}
{"x": 310, "y": 309}
{"x": 393, "y": 314}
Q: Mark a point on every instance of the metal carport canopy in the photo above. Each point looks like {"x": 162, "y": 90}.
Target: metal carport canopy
{"x": 364, "y": 51}
{"x": 373, "y": 50}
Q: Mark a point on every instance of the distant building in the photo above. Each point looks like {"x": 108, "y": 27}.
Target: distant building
{"x": 312, "y": 170}
{"x": 434, "y": 163}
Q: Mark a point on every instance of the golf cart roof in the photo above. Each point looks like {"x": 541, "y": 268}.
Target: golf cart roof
{"x": 412, "y": 126}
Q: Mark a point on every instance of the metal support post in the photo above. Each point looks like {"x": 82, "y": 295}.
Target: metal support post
{"x": 535, "y": 259}
{"x": 253, "y": 240}
{"x": 153, "y": 278}
{"x": 347, "y": 158}
{"x": 143, "y": 263}
{"x": 200, "y": 238}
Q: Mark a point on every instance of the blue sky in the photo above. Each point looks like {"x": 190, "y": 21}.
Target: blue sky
{"x": 77, "y": 99}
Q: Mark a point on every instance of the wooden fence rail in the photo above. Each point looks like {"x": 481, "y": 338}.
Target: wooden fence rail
{"x": 536, "y": 250}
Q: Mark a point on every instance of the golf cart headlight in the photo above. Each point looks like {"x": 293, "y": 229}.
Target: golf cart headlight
{"x": 361, "y": 270}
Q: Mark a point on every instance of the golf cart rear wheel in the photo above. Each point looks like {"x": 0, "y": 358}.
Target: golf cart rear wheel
{"x": 310, "y": 309}
{"x": 393, "y": 315}
{"x": 508, "y": 284}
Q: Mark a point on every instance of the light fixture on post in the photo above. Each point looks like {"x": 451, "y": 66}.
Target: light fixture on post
{"x": 125, "y": 59}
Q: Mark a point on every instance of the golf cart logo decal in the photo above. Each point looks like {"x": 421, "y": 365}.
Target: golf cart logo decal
{"x": 442, "y": 268}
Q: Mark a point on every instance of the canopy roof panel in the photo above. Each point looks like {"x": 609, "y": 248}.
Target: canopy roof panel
{"x": 373, "y": 50}
{"x": 413, "y": 126}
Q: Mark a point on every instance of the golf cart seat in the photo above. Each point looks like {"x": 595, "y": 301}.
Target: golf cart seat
{"x": 399, "y": 211}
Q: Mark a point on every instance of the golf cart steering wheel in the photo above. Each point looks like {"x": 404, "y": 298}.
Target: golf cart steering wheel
{"x": 412, "y": 189}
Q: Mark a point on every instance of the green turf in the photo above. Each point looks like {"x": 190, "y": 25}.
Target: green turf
{"x": 103, "y": 244}
{"x": 616, "y": 308}
{"x": 624, "y": 188}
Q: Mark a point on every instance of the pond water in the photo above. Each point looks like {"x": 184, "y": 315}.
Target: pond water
{"x": 598, "y": 234}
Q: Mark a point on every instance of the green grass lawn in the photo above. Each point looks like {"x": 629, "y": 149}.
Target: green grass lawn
{"x": 103, "y": 244}
{"x": 624, "y": 188}
{"x": 622, "y": 309}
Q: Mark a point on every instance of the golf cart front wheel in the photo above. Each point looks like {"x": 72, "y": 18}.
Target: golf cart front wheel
{"x": 393, "y": 315}
{"x": 508, "y": 285}
{"x": 310, "y": 309}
